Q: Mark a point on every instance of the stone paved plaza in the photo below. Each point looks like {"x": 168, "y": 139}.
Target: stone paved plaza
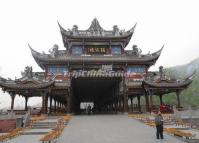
{"x": 110, "y": 129}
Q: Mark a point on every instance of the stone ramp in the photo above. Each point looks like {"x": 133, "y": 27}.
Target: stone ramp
{"x": 39, "y": 129}
{"x": 110, "y": 129}
{"x": 25, "y": 139}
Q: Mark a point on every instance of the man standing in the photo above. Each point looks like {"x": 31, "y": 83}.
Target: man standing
{"x": 159, "y": 125}
{"x": 89, "y": 109}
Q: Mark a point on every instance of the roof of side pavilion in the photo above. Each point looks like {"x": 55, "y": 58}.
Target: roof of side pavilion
{"x": 161, "y": 84}
{"x": 168, "y": 84}
{"x": 26, "y": 83}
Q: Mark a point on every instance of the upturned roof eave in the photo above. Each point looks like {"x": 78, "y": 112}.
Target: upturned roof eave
{"x": 152, "y": 84}
{"x": 45, "y": 59}
{"x": 68, "y": 36}
{"x": 17, "y": 86}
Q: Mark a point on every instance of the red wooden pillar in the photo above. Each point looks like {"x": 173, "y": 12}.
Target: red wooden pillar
{"x": 139, "y": 106}
{"x": 69, "y": 110}
{"x": 12, "y": 95}
{"x": 119, "y": 103}
{"x": 26, "y": 103}
{"x": 147, "y": 102}
{"x": 55, "y": 106}
{"x": 125, "y": 102}
{"x": 160, "y": 96}
{"x": 43, "y": 104}
{"x": 131, "y": 104}
{"x": 46, "y": 103}
{"x": 178, "y": 98}
{"x": 51, "y": 103}
{"x": 151, "y": 98}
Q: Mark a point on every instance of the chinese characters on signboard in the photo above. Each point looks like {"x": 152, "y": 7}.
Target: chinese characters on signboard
{"x": 96, "y": 50}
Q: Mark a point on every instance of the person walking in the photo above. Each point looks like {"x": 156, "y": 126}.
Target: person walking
{"x": 159, "y": 125}
{"x": 89, "y": 109}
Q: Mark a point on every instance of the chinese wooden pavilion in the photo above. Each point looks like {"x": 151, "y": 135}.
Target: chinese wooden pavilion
{"x": 94, "y": 67}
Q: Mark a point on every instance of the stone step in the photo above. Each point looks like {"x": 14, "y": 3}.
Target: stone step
{"x": 44, "y": 125}
{"x": 53, "y": 117}
{"x": 47, "y": 127}
{"x": 34, "y": 133}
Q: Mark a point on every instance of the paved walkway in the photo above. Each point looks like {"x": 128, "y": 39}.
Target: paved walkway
{"x": 110, "y": 129}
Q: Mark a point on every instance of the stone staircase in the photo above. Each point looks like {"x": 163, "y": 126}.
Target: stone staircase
{"x": 44, "y": 125}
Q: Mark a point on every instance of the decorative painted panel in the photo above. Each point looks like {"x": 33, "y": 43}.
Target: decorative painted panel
{"x": 135, "y": 70}
{"x": 135, "y": 73}
{"x": 76, "y": 50}
{"x": 57, "y": 70}
{"x": 116, "y": 50}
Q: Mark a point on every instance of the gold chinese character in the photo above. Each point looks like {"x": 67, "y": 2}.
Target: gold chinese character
{"x": 97, "y": 50}
{"x": 103, "y": 50}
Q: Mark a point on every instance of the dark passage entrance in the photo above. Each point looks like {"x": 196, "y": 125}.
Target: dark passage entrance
{"x": 102, "y": 92}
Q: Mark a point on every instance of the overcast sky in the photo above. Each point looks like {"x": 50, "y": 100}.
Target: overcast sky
{"x": 173, "y": 23}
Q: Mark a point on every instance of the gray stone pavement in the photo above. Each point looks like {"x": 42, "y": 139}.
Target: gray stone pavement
{"x": 110, "y": 129}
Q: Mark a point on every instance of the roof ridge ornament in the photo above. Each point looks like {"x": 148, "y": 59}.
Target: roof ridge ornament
{"x": 27, "y": 72}
{"x": 116, "y": 30}
{"x": 75, "y": 30}
{"x": 95, "y": 28}
{"x": 161, "y": 72}
{"x": 54, "y": 51}
{"x": 136, "y": 51}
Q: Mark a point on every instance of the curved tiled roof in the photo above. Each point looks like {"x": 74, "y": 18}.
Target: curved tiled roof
{"x": 180, "y": 84}
{"x": 26, "y": 86}
{"x": 63, "y": 58}
{"x": 170, "y": 83}
{"x": 96, "y": 31}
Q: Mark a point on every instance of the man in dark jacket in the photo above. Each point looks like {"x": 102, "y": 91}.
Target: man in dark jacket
{"x": 159, "y": 125}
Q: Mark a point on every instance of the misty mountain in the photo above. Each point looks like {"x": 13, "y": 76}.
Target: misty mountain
{"x": 185, "y": 70}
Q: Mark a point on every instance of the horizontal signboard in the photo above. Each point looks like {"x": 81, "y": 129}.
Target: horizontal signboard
{"x": 96, "y": 49}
